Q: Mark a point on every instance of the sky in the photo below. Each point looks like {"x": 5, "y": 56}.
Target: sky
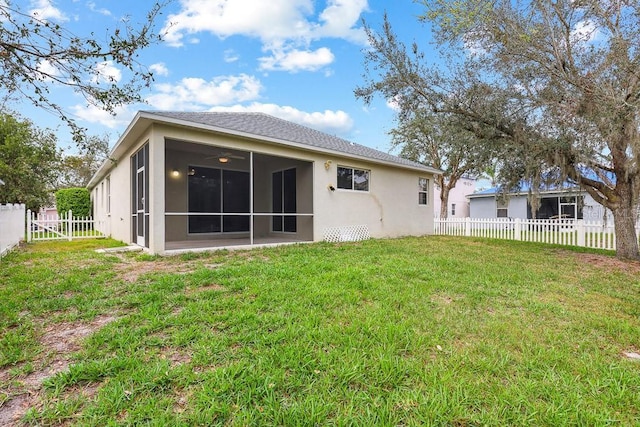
{"x": 299, "y": 60}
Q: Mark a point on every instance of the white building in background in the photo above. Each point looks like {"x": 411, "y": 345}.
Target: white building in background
{"x": 565, "y": 203}
{"x": 458, "y": 201}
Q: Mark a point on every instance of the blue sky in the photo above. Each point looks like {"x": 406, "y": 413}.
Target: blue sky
{"x": 296, "y": 59}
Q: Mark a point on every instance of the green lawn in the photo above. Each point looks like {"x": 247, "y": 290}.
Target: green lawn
{"x": 417, "y": 331}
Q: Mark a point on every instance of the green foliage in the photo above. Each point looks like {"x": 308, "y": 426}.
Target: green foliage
{"x": 76, "y": 200}
{"x": 77, "y": 170}
{"x": 441, "y": 141}
{"x": 416, "y": 331}
{"x": 29, "y": 162}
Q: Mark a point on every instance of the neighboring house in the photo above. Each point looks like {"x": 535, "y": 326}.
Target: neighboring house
{"x": 48, "y": 211}
{"x": 184, "y": 181}
{"x": 569, "y": 203}
{"x": 458, "y": 202}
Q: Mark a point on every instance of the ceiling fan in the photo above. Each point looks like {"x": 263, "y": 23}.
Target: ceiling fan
{"x": 225, "y": 157}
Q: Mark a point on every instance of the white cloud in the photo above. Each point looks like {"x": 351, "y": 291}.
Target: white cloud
{"x": 197, "y": 94}
{"x": 393, "y": 104}
{"x": 285, "y": 27}
{"x": 106, "y": 73}
{"x": 296, "y": 60}
{"x": 102, "y": 11}
{"x": 339, "y": 19}
{"x": 272, "y": 20}
{"x": 332, "y": 122}
{"x": 159, "y": 69}
{"x": 45, "y": 10}
{"x": 93, "y": 114}
{"x": 230, "y": 55}
{"x": 48, "y": 70}
{"x": 585, "y": 31}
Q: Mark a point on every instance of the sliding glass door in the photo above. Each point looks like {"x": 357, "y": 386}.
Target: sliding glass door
{"x": 217, "y": 194}
{"x": 284, "y": 200}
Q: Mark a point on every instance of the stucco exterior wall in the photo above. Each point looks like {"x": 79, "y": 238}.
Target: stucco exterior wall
{"x": 117, "y": 221}
{"x": 389, "y": 209}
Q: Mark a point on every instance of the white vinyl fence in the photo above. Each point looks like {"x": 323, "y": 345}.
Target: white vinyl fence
{"x": 589, "y": 234}
{"x": 68, "y": 227}
{"x": 11, "y": 226}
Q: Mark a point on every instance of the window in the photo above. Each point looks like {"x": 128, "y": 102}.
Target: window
{"x": 502, "y": 208}
{"x": 353, "y": 179}
{"x": 453, "y": 209}
{"x": 423, "y": 191}
{"x": 108, "y": 194}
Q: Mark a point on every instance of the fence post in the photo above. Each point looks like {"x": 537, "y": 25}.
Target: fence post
{"x": 517, "y": 230}
{"x": 29, "y": 225}
{"x": 70, "y": 225}
{"x": 581, "y": 232}
{"x": 467, "y": 227}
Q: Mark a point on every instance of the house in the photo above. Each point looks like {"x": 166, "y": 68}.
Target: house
{"x": 458, "y": 201}
{"x": 569, "y": 203}
{"x": 183, "y": 181}
{"x": 48, "y": 212}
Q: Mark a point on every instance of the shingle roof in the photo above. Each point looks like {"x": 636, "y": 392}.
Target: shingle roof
{"x": 524, "y": 189}
{"x": 266, "y": 126}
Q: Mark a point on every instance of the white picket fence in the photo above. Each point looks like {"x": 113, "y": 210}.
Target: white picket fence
{"x": 589, "y": 234}
{"x": 11, "y": 226}
{"x": 52, "y": 227}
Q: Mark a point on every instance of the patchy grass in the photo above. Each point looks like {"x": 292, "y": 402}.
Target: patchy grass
{"x": 435, "y": 330}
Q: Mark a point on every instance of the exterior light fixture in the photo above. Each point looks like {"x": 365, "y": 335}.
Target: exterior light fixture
{"x": 175, "y": 173}
{"x": 192, "y": 172}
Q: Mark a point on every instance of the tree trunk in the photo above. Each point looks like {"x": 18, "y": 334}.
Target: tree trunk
{"x": 444, "y": 201}
{"x": 625, "y": 230}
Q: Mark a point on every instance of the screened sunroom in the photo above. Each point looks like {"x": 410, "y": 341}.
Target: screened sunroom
{"x": 221, "y": 197}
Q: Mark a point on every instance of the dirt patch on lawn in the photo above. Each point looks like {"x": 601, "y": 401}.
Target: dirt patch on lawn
{"x": 59, "y": 341}
{"x": 604, "y": 262}
{"x": 130, "y": 269}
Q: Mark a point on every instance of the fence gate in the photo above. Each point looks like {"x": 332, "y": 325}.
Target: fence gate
{"x": 68, "y": 227}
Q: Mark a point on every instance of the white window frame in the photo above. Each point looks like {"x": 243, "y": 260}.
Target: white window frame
{"x": 502, "y": 205}
{"x": 423, "y": 188}
{"x": 353, "y": 178}
{"x": 453, "y": 209}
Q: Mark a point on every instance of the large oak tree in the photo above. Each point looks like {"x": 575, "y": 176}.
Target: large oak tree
{"x": 553, "y": 85}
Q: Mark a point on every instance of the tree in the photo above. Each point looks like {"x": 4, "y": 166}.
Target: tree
{"x": 36, "y": 53}
{"x": 437, "y": 140}
{"x": 76, "y": 200}
{"x": 556, "y": 84}
{"x": 29, "y": 162}
{"x": 77, "y": 170}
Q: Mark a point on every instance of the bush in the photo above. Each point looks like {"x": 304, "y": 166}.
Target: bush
{"x": 76, "y": 200}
